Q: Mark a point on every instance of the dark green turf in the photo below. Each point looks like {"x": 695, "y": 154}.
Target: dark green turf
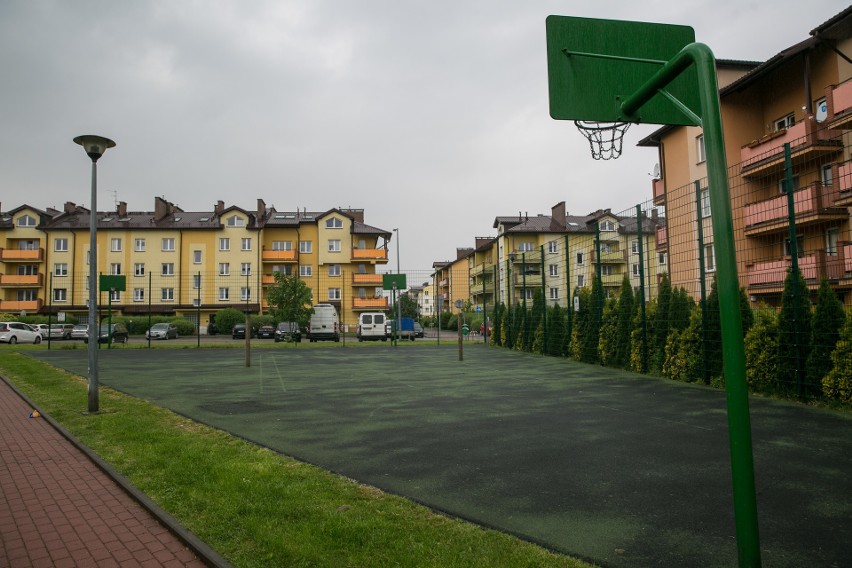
{"x": 619, "y": 468}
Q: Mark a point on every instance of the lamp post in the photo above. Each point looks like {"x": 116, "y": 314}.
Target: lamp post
{"x": 94, "y": 146}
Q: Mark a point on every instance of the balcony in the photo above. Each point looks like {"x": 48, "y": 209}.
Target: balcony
{"x": 21, "y": 280}
{"x": 370, "y": 304}
{"x": 838, "y": 99}
{"x": 814, "y": 266}
{"x": 812, "y": 204}
{"x": 370, "y": 254}
{"x": 808, "y": 143}
{"x": 17, "y": 306}
{"x": 847, "y": 258}
{"x": 366, "y": 279}
{"x": 612, "y": 279}
{"x": 444, "y": 283}
{"x": 662, "y": 238}
{"x": 477, "y": 270}
{"x": 658, "y": 188}
{"x": 279, "y": 256}
{"x": 531, "y": 280}
{"x": 17, "y": 255}
{"x": 616, "y": 256}
{"x": 843, "y": 180}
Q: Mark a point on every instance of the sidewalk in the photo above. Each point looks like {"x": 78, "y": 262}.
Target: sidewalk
{"x": 59, "y": 508}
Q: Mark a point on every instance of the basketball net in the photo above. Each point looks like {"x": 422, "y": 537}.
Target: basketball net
{"x": 604, "y": 137}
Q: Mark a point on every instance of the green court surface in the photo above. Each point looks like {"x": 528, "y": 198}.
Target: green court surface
{"x": 614, "y": 467}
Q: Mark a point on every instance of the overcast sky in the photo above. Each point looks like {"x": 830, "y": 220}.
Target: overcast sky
{"x": 431, "y": 116}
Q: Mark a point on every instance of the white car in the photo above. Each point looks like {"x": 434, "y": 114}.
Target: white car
{"x": 13, "y": 332}
{"x": 42, "y": 328}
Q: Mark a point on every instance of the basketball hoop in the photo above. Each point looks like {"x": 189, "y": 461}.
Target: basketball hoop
{"x": 604, "y": 137}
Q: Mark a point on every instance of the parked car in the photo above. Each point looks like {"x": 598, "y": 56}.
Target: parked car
{"x": 13, "y": 332}
{"x": 80, "y": 331}
{"x": 372, "y": 326}
{"x": 266, "y": 332}
{"x": 325, "y": 324}
{"x": 42, "y": 328}
{"x": 418, "y": 329}
{"x": 162, "y": 331}
{"x": 112, "y": 333}
{"x": 61, "y": 330}
{"x": 288, "y": 331}
{"x": 239, "y": 331}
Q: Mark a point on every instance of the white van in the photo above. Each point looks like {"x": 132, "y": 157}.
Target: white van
{"x": 325, "y": 324}
{"x": 371, "y": 325}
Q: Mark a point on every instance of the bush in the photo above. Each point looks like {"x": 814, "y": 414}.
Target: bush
{"x": 828, "y": 321}
{"x": 837, "y": 384}
{"x": 227, "y": 318}
{"x": 761, "y": 348}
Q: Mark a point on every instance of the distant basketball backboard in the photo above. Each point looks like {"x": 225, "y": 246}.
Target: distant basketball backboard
{"x": 594, "y": 65}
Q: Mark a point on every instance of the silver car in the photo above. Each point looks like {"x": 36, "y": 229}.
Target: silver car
{"x": 80, "y": 331}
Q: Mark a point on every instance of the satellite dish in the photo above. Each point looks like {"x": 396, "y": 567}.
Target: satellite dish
{"x": 656, "y": 174}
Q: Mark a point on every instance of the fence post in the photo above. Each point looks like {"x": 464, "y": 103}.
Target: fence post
{"x": 598, "y": 272}
{"x": 198, "y": 311}
{"x": 526, "y": 319}
{"x": 150, "y": 284}
{"x": 569, "y": 297}
{"x": 794, "y": 266}
{"x": 543, "y": 301}
{"x": 484, "y": 308}
{"x": 643, "y": 362}
{"x": 702, "y": 274}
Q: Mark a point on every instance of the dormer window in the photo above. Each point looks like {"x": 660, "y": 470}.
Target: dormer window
{"x": 607, "y": 225}
{"x": 26, "y": 221}
{"x": 235, "y": 221}
{"x": 333, "y": 223}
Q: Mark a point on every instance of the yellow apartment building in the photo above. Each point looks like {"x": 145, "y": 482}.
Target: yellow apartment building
{"x": 188, "y": 264}
{"x": 800, "y": 99}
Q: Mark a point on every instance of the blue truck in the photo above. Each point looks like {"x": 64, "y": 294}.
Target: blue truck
{"x": 404, "y": 328}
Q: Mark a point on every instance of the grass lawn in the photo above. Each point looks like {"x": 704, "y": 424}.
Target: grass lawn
{"x": 257, "y": 507}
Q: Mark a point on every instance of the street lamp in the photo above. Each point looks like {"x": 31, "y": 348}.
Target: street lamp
{"x": 94, "y": 146}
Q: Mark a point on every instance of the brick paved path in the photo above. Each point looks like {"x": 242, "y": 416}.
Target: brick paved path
{"x": 57, "y": 508}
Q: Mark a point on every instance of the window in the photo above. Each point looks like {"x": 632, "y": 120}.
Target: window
{"x": 224, "y": 294}
{"x": 607, "y": 270}
{"x": 334, "y": 245}
{"x": 306, "y": 247}
{"x": 245, "y": 269}
{"x": 167, "y": 294}
{"x": 525, "y": 247}
{"x": 196, "y": 281}
{"x": 579, "y": 258}
{"x": 168, "y": 269}
{"x": 234, "y": 221}
{"x": 528, "y": 293}
{"x": 60, "y": 269}
{"x": 115, "y": 268}
{"x": 826, "y": 176}
{"x": 821, "y": 110}
{"x": 305, "y": 270}
{"x": 115, "y": 295}
{"x": 115, "y": 245}
{"x": 140, "y": 245}
{"x": 196, "y": 257}
{"x": 139, "y": 294}
{"x": 636, "y": 270}
{"x": 27, "y": 295}
{"x": 334, "y": 293}
{"x": 709, "y": 258}
{"x": 245, "y": 293}
{"x": 333, "y": 223}
{"x": 26, "y": 221}
{"x": 334, "y": 270}
{"x": 139, "y": 269}
{"x": 607, "y": 225}
{"x": 224, "y": 244}
{"x": 286, "y": 269}
{"x": 607, "y": 247}
{"x": 554, "y": 270}
{"x": 662, "y": 259}
{"x": 634, "y": 247}
{"x": 60, "y": 245}
{"x": 782, "y": 184}
{"x": 705, "y": 202}
{"x": 195, "y": 303}
{"x": 786, "y": 122}
{"x": 831, "y": 237}
{"x": 552, "y": 247}
{"x": 60, "y": 295}
{"x": 27, "y": 270}
{"x": 168, "y": 245}
{"x": 581, "y": 280}
{"x": 699, "y": 149}
{"x": 282, "y": 245}
{"x": 554, "y": 293}
{"x": 800, "y": 246}
{"x": 224, "y": 269}
{"x": 245, "y": 244}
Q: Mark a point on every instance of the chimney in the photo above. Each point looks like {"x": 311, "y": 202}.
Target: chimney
{"x": 122, "y": 209}
{"x": 461, "y": 252}
{"x": 69, "y": 207}
{"x": 558, "y": 214}
{"x": 261, "y": 210}
{"x": 161, "y": 208}
{"x": 219, "y": 207}
{"x": 482, "y": 241}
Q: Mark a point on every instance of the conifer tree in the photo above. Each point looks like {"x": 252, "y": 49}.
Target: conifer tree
{"x": 794, "y": 335}
{"x": 837, "y": 384}
{"x": 829, "y": 318}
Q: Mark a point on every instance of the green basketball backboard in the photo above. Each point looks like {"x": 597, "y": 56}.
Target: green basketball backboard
{"x": 109, "y": 282}
{"x": 594, "y": 65}
{"x": 393, "y": 282}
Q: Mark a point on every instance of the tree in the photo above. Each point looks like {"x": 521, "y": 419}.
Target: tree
{"x": 227, "y": 318}
{"x": 657, "y": 352}
{"x": 761, "y": 351}
{"x": 837, "y": 384}
{"x": 556, "y": 330}
{"x": 497, "y": 325}
{"x": 626, "y": 309}
{"x": 608, "y": 334}
{"x": 289, "y": 299}
{"x": 794, "y": 334}
{"x": 828, "y": 321}
{"x": 407, "y": 306}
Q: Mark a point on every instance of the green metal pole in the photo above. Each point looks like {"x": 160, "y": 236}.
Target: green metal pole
{"x": 643, "y": 365}
{"x": 598, "y": 272}
{"x": 526, "y": 319}
{"x": 149, "y": 309}
{"x": 569, "y": 298}
{"x": 198, "y": 313}
{"x": 484, "y": 308}
{"x": 543, "y": 300}
{"x": 794, "y": 266}
{"x": 702, "y": 274}
{"x": 49, "y": 307}
{"x": 739, "y": 422}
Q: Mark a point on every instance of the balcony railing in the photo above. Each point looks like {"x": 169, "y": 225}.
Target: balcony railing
{"x": 658, "y": 188}
{"x": 531, "y": 280}
{"x": 847, "y": 258}
{"x": 811, "y": 204}
{"x": 17, "y": 306}
{"x": 366, "y": 279}
{"x": 662, "y": 238}
{"x": 13, "y": 255}
{"x": 813, "y": 266}
{"x": 808, "y": 142}
{"x": 279, "y": 256}
{"x": 611, "y": 256}
{"x": 843, "y": 181}
{"x": 370, "y": 303}
{"x": 369, "y": 254}
{"x": 839, "y": 102}
{"x": 21, "y": 280}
